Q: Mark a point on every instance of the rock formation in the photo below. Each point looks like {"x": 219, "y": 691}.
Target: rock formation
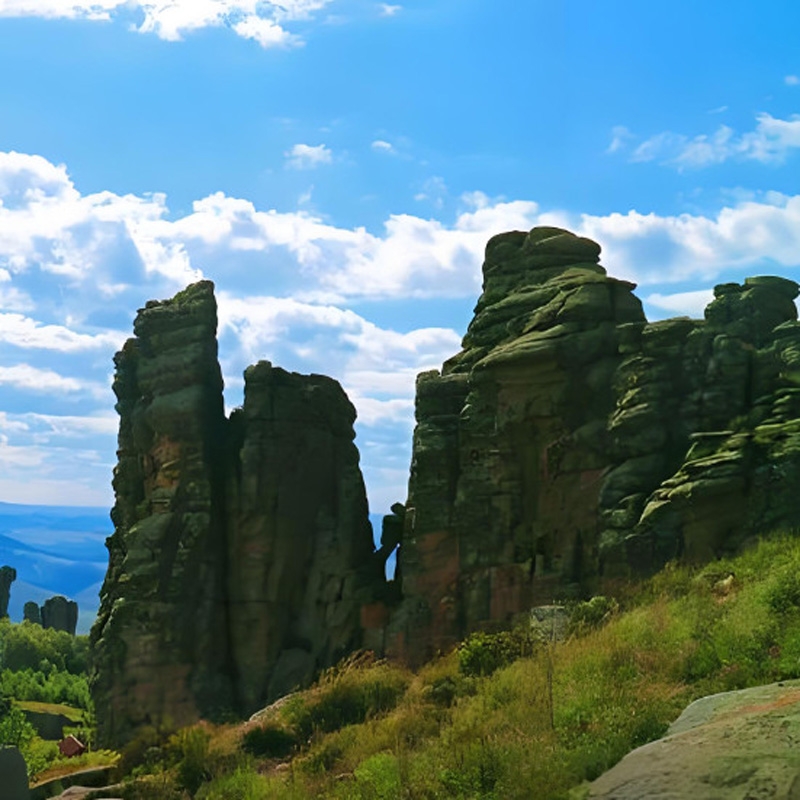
{"x": 571, "y": 441}
{"x": 60, "y": 614}
{"x": 568, "y": 445}
{"x": 7, "y": 576}
{"x": 242, "y": 549}
{"x": 732, "y": 745}
{"x": 32, "y": 613}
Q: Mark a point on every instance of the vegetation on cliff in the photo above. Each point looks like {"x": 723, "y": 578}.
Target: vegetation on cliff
{"x": 533, "y": 719}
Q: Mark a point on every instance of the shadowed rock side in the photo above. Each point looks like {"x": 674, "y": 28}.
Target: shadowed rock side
{"x": 299, "y": 539}
{"x": 7, "y": 576}
{"x": 59, "y": 614}
{"x": 242, "y": 549}
{"x": 571, "y": 441}
{"x": 160, "y": 639}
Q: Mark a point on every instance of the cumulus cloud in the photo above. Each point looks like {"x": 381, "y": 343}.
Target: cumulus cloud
{"x": 31, "y": 379}
{"x": 649, "y": 248}
{"x": 81, "y": 264}
{"x": 259, "y": 20}
{"x": 691, "y": 304}
{"x": 381, "y": 146}
{"x": 771, "y": 141}
{"x": 305, "y": 156}
{"x": 388, "y": 10}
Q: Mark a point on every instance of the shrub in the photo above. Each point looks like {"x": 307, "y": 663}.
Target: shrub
{"x": 191, "y": 747}
{"x": 346, "y": 695}
{"x": 483, "y": 653}
{"x": 592, "y": 614}
{"x": 270, "y": 740}
{"x": 243, "y": 784}
{"x": 783, "y": 595}
{"x": 29, "y": 646}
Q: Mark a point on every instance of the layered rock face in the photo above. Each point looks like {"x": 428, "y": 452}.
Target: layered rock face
{"x": 570, "y": 441}
{"x": 234, "y": 565}
{"x": 59, "y": 614}
{"x": 299, "y": 538}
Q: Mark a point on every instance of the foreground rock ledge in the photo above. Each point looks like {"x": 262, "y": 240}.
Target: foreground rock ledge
{"x": 731, "y": 746}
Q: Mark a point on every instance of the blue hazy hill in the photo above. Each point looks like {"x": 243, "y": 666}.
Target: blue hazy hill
{"x": 55, "y": 550}
{"x": 61, "y": 550}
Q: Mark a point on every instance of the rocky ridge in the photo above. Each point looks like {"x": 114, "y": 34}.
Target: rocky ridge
{"x": 241, "y": 546}
{"x": 569, "y": 445}
{"x": 571, "y": 442}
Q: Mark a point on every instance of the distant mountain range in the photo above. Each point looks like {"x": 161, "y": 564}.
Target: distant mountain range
{"x": 55, "y": 550}
{"x": 61, "y": 550}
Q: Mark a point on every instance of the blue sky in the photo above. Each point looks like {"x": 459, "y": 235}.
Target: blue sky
{"x": 336, "y": 167}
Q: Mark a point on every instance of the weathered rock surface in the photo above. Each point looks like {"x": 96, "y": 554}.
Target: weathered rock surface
{"x": 300, "y": 549}
{"x": 242, "y": 548}
{"x": 60, "y": 614}
{"x": 13, "y": 774}
{"x": 7, "y": 576}
{"x": 732, "y": 746}
{"x": 32, "y": 613}
{"x": 571, "y": 442}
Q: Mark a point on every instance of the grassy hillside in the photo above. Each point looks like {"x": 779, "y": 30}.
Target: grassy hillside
{"x": 505, "y": 716}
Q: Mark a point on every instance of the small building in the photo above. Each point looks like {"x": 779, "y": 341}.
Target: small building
{"x": 69, "y": 746}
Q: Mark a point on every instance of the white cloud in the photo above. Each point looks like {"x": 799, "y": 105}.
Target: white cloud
{"x": 171, "y": 20}
{"x": 620, "y": 136}
{"x": 770, "y": 142}
{"x": 283, "y": 282}
{"x": 21, "y": 331}
{"x": 31, "y": 379}
{"x": 792, "y": 80}
{"x": 381, "y": 146}
{"x": 690, "y": 304}
{"x": 266, "y": 32}
{"x": 305, "y": 156}
{"x": 651, "y": 249}
{"x": 388, "y": 10}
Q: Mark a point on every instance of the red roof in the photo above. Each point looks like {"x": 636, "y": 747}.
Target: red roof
{"x": 70, "y": 746}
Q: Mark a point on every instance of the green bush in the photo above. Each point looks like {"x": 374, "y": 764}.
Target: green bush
{"x": 347, "y": 695}
{"x": 191, "y": 747}
{"x": 29, "y": 646}
{"x": 270, "y": 741}
{"x": 592, "y": 614}
{"x": 783, "y": 595}
{"x": 54, "y": 686}
{"x": 484, "y": 653}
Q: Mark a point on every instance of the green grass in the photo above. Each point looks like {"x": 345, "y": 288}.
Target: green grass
{"x": 75, "y": 715}
{"x": 494, "y": 724}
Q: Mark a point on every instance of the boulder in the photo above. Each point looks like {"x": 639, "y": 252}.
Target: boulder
{"x": 731, "y": 746}
{"x": 13, "y": 774}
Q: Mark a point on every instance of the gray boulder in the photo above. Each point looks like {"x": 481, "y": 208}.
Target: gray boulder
{"x": 13, "y": 775}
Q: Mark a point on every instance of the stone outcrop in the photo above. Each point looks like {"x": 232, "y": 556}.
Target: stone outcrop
{"x": 7, "y": 576}
{"x": 59, "y": 614}
{"x": 32, "y": 613}
{"x": 13, "y": 774}
{"x": 299, "y": 538}
{"x": 571, "y": 442}
{"x": 736, "y": 745}
{"x": 569, "y": 445}
{"x": 242, "y": 549}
